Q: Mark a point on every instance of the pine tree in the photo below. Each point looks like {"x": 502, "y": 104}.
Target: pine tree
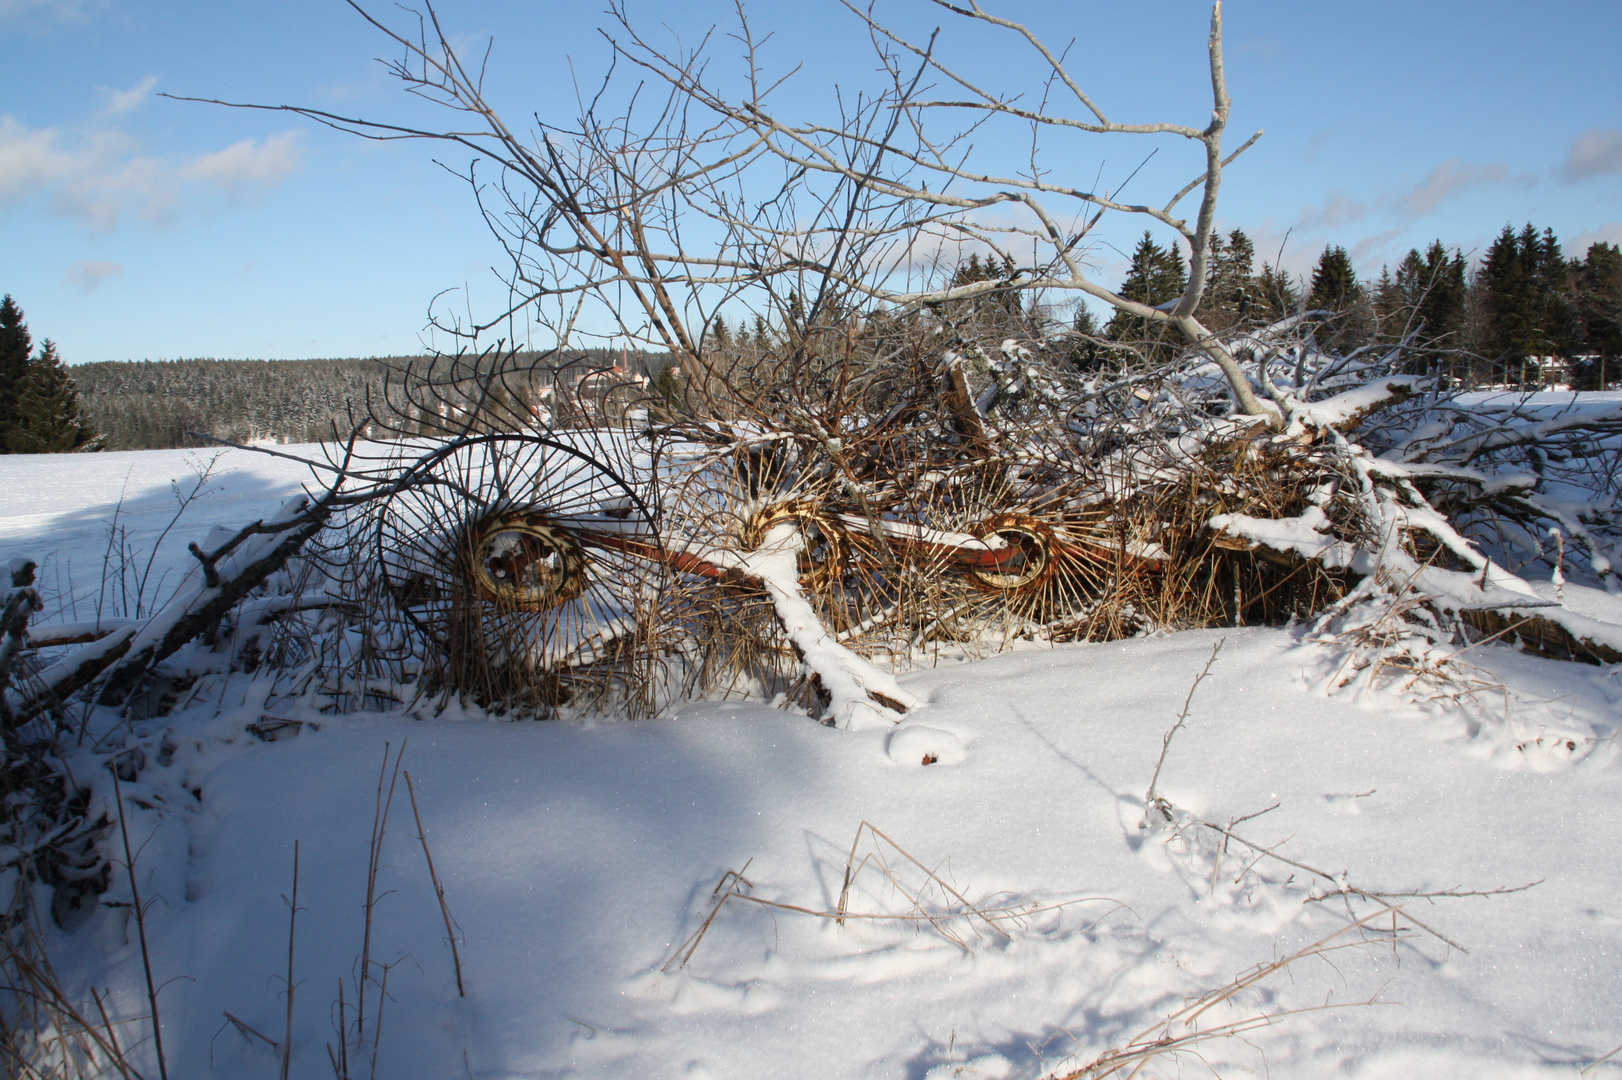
{"x": 1599, "y": 317}
{"x": 1335, "y": 288}
{"x": 1276, "y": 293}
{"x": 1157, "y": 275}
{"x": 1526, "y": 302}
{"x": 47, "y": 410}
{"x": 1232, "y": 293}
{"x": 15, "y": 347}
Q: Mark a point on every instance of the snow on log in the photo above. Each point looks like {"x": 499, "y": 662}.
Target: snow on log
{"x": 229, "y": 573}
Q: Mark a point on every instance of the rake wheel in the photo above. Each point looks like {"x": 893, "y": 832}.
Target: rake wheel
{"x": 524, "y": 563}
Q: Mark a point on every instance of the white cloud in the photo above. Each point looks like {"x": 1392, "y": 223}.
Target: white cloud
{"x": 1338, "y": 209}
{"x": 248, "y": 163}
{"x": 1449, "y": 179}
{"x": 88, "y": 275}
{"x": 99, "y": 176}
{"x": 1594, "y": 153}
{"x": 29, "y": 160}
{"x": 1608, "y": 234}
{"x": 1371, "y": 246}
{"x": 68, "y": 11}
{"x": 120, "y": 102}
{"x": 1446, "y": 181}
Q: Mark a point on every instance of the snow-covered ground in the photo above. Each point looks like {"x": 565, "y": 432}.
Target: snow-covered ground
{"x": 576, "y": 858}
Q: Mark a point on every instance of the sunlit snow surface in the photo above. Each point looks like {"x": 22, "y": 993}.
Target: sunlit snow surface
{"x": 577, "y": 857}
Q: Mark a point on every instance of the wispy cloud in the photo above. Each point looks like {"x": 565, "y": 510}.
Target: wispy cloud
{"x": 1594, "y": 153}
{"x": 1453, "y": 177}
{"x": 87, "y": 275}
{"x": 248, "y": 163}
{"x": 1605, "y": 234}
{"x": 121, "y": 102}
{"x": 1446, "y": 181}
{"x": 100, "y": 175}
{"x": 66, "y": 11}
{"x": 1338, "y": 209}
{"x": 1373, "y": 245}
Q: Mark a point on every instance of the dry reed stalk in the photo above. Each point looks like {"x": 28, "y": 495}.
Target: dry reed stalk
{"x": 1600, "y": 1061}
{"x": 728, "y": 888}
{"x": 1344, "y": 888}
{"x": 851, "y": 874}
{"x": 43, "y": 991}
{"x": 380, "y": 824}
{"x": 439, "y": 889}
{"x": 340, "y": 1057}
{"x": 140, "y": 927}
{"x": 248, "y": 1031}
{"x": 292, "y": 926}
{"x": 1152, "y": 799}
{"x": 1158, "y": 1040}
{"x": 377, "y": 1028}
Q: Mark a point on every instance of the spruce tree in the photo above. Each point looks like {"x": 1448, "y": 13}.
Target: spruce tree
{"x": 1393, "y": 300}
{"x": 1004, "y": 304}
{"x": 1085, "y": 352}
{"x": 1276, "y": 293}
{"x": 47, "y": 410}
{"x": 1440, "y": 302}
{"x": 1335, "y": 288}
{"x": 1423, "y": 302}
{"x": 1156, "y": 276}
{"x": 1526, "y": 286}
{"x": 15, "y": 347}
{"x": 666, "y": 391}
{"x": 1599, "y": 316}
{"x": 1232, "y": 293}
{"x": 1334, "y": 283}
{"x": 720, "y": 338}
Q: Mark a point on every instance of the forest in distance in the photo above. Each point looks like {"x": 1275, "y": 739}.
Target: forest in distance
{"x": 166, "y": 404}
{"x": 1524, "y": 316}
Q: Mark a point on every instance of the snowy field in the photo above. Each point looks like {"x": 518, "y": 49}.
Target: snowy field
{"x": 577, "y": 858}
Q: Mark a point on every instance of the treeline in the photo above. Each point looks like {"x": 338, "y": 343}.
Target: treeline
{"x": 159, "y": 404}
{"x": 1525, "y": 315}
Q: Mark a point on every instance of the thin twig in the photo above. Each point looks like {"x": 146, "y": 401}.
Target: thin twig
{"x": 380, "y": 824}
{"x": 1152, "y": 799}
{"x": 140, "y": 926}
{"x": 1590, "y": 1068}
{"x": 292, "y": 925}
{"x": 439, "y": 890}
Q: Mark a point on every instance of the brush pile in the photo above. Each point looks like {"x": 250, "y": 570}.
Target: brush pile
{"x": 804, "y": 536}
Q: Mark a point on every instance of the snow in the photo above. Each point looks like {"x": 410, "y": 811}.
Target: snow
{"x": 57, "y": 509}
{"x": 1541, "y": 402}
{"x": 577, "y": 856}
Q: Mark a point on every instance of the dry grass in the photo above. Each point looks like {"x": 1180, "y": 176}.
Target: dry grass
{"x": 929, "y": 899}
{"x": 1179, "y": 1034}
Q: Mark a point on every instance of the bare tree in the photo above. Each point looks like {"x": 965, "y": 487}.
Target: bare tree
{"x": 649, "y": 221}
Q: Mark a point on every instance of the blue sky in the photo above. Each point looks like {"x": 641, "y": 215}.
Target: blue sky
{"x": 135, "y": 227}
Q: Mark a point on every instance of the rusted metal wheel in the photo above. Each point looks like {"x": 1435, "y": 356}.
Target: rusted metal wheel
{"x": 523, "y": 562}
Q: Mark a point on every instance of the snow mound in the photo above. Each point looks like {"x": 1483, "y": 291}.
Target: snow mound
{"x": 919, "y": 745}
